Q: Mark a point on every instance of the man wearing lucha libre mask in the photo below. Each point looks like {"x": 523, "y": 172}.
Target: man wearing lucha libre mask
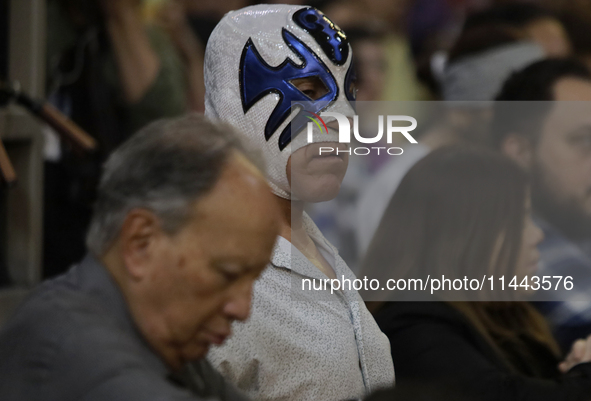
{"x": 267, "y": 68}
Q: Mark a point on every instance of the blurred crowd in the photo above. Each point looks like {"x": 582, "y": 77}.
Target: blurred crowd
{"x": 115, "y": 66}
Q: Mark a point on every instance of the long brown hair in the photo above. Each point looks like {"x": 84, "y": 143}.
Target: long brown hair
{"x": 457, "y": 210}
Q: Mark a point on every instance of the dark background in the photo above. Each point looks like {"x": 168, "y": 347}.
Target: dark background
{"x": 4, "y": 39}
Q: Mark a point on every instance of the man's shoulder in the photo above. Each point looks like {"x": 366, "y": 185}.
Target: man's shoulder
{"x": 60, "y": 316}
{"x": 60, "y": 304}
{"x": 55, "y": 305}
{"x": 62, "y": 338}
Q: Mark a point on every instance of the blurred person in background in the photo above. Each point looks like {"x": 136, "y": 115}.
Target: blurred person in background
{"x": 401, "y": 82}
{"x": 485, "y": 54}
{"x": 434, "y": 35}
{"x": 112, "y": 75}
{"x": 551, "y": 138}
{"x": 371, "y": 63}
{"x": 459, "y": 212}
{"x": 433, "y": 26}
{"x": 478, "y": 64}
{"x": 189, "y": 24}
{"x": 184, "y": 224}
{"x": 529, "y": 20}
{"x": 172, "y": 16}
{"x": 297, "y": 344}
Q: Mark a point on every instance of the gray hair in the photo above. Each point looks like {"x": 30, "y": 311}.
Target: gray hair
{"x": 164, "y": 168}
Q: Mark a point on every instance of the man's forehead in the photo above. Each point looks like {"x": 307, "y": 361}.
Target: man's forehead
{"x": 572, "y": 89}
{"x": 571, "y": 109}
{"x": 568, "y": 116}
{"x": 240, "y": 192}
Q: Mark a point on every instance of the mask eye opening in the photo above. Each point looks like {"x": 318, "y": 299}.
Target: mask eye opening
{"x": 312, "y": 87}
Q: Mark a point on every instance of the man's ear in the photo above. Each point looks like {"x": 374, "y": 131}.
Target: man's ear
{"x": 139, "y": 235}
{"x": 518, "y": 148}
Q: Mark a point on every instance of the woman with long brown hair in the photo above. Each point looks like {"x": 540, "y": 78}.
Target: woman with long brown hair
{"x": 460, "y": 211}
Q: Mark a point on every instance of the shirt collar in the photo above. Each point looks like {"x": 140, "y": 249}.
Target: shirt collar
{"x": 287, "y": 256}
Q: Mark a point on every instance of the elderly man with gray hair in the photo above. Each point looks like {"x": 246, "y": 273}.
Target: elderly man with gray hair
{"x": 183, "y": 225}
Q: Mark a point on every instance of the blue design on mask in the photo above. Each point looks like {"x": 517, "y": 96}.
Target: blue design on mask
{"x": 329, "y": 36}
{"x": 258, "y": 79}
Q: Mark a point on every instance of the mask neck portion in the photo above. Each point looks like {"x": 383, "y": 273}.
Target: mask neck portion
{"x": 251, "y": 60}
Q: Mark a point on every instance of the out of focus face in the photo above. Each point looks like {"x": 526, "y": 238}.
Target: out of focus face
{"x": 392, "y": 11}
{"x": 561, "y": 165}
{"x": 200, "y": 280}
{"x": 551, "y": 35}
{"x": 372, "y": 66}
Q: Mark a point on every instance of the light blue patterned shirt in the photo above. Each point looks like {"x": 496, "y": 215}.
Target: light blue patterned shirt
{"x": 300, "y": 345}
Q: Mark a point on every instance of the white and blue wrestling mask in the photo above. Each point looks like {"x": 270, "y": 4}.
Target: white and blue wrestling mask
{"x": 252, "y": 58}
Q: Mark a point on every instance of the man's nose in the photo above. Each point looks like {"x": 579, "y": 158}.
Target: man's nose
{"x": 238, "y": 307}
